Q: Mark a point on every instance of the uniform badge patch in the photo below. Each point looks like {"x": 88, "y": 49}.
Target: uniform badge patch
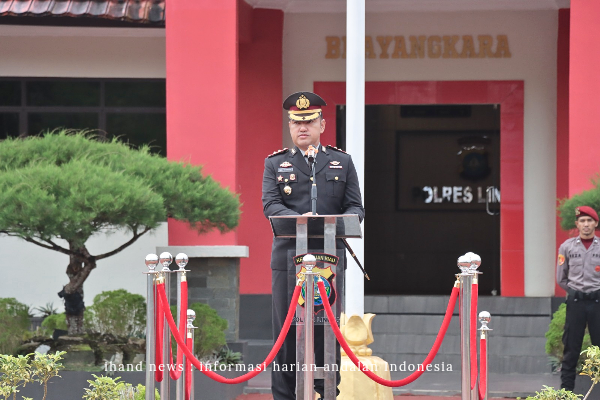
{"x": 285, "y": 164}
{"x": 334, "y": 163}
{"x": 287, "y": 190}
{"x": 279, "y": 178}
{"x": 292, "y": 177}
{"x": 561, "y": 259}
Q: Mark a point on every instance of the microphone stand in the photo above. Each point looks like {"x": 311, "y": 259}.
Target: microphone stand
{"x": 313, "y": 190}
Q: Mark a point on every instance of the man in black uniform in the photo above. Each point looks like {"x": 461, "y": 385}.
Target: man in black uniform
{"x": 286, "y": 191}
{"x": 578, "y": 272}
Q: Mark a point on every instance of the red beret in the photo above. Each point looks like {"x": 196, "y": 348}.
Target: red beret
{"x": 585, "y": 210}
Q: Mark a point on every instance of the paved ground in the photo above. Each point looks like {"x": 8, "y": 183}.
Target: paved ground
{"x": 442, "y": 385}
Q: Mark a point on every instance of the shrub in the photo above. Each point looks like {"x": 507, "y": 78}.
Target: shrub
{"x": 117, "y": 312}
{"x": 554, "y": 344}
{"x": 210, "y": 335}
{"x": 54, "y": 321}
{"x": 106, "y": 388}
{"x": 14, "y": 320}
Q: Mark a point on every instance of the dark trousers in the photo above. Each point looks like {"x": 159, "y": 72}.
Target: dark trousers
{"x": 283, "y": 383}
{"x": 579, "y": 314}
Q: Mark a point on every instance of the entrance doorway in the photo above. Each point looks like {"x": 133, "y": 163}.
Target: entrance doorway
{"x": 432, "y": 193}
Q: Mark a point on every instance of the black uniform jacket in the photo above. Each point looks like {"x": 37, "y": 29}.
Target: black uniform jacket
{"x": 338, "y": 192}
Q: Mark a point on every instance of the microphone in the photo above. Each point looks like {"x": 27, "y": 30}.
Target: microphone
{"x": 311, "y": 153}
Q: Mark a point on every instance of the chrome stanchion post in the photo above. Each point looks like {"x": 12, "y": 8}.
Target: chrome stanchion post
{"x": 484, "y": 319}
{"x": 181, "y": 260}
{"x": 165, "y": 260}
{"x": 475, "y": 264}
{"x": 191, "y": 316}
{"x": 464, "y": 263}
{"x": 309, "y": 262}
{"x": 151, "y": 263}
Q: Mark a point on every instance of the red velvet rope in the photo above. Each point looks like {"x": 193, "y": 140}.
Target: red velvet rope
{"x": 175, "y": 372}
{"x": 159, "y": 323}
{"x": 412, "y": 377}
{"x": 188, "y": 370}
{"x": 473, "y": 344}
{"x": 483, "y": 361}
{"x": 162, "y": 297}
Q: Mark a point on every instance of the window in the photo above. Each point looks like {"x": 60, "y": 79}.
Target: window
{"x": 132, "y": 109}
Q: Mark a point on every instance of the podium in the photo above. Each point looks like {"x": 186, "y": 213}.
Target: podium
{"x": 329, "y": 228}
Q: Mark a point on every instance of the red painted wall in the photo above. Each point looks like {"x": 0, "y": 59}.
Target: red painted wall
{"x": 260, "y": 114}
{"x": 510, "y": 96}
{"x": 202, "y": 66}
{"x": 584, "y": 89}
{"x": 562, "y": 122}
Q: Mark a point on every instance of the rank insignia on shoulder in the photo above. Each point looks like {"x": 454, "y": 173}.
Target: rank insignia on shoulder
{"x": 561, "y": 259}
{"x": 285, "y": 164}
{"x": 284, "y": 150}
{"x": 335, "y": 148}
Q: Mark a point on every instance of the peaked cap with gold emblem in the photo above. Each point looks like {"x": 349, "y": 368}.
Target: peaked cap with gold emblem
{"x": 303, "y": 106}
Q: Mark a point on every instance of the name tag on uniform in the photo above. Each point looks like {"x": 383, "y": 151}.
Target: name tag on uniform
{"x": 285, "y": 169}
{"x": 336, "y": 166}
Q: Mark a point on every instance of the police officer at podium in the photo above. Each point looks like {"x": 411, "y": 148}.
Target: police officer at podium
{"x": 578, "y": 272}
{"x": 286, "y": 190}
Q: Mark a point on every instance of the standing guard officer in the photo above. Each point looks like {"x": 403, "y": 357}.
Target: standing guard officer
{"x": 286, "y": 191}
{"x": 578, "y": 272}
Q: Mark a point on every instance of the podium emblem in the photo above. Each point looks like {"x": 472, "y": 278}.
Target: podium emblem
{"x": 324, "y": 270}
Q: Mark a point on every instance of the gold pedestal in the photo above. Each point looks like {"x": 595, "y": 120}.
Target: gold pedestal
{"x": 355, "y": 385}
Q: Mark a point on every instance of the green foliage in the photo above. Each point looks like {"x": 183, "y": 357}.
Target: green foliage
{"x": 140, "y": 393}
{"x": 106, "y": 388}
{"x": 554, "y": 344}
{"x": 549, "y": 393}
{"x": 117, "y": 312}
{"x": 47, "y": 310}
{"x": 14, "y": 323}
{"x": 46, "y": 366}
{"x": 54, "y": 321}
{"x": 67, "y": 185}
{"x": 591, "y": 366}
{"x": 14, "y": 373}
{"x": 18, "y": 371}
{"x": 229, "y": 357}
{"x": 210, "y": 335}
{"x": 567, "y": 207}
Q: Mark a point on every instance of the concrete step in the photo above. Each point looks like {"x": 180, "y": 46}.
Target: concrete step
{"x": 438, "y": 304}
{"x": 515, "y": 326}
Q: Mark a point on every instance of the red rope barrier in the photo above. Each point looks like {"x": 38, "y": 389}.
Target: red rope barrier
{"x": 412, "y": 377}
{"x": 231, "y": 381}
{"x": 473, "y": 333}
{"x": 483, "y": 361}
{"x": 159, "y": 321}
{"x": 175, "y": 372}
{"x": 188, "y": 370}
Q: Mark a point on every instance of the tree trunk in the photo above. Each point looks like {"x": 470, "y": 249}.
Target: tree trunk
{"x": 80, "y": 266}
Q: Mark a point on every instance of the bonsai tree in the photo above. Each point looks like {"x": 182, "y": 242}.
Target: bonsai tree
{"x": 58, "y": 190}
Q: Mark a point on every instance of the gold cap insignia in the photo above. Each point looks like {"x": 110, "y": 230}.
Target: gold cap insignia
{"x": 302, "y": 102}
{"x": 285, "y": 164}
{"x": 577, "y": 212}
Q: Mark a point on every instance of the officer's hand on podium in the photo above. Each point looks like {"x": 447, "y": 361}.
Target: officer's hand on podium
{"x": 309, "y": 213}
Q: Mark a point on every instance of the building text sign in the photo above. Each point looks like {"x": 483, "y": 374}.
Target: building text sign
{"x": 434, "y": 46}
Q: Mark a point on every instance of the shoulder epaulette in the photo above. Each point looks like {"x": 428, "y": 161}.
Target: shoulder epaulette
{"x": 335, "y": 148}
{"x": 284, "y": 150}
